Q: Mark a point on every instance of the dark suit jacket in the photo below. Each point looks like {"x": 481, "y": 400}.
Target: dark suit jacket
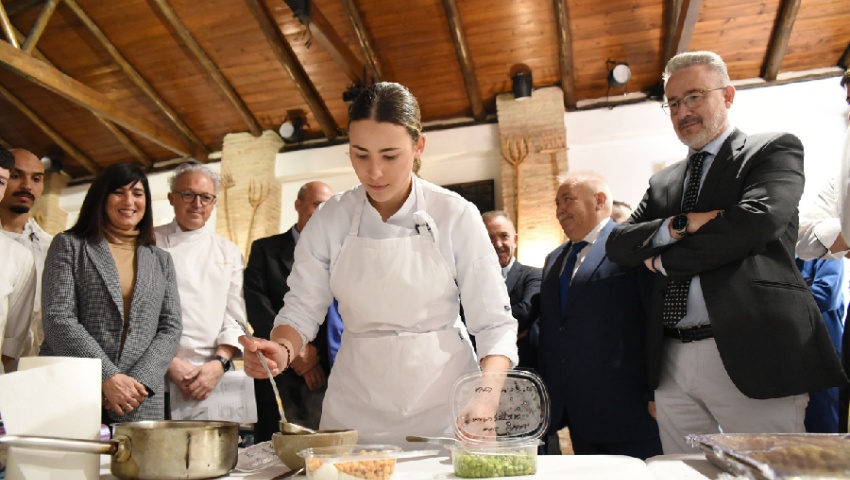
{"x": 767, "y": 326}
{"x": 83, "y": 315}
{"x": 269, "y": 265}
{"x": 592, "y": 356}
{"x": 523, "y": 283}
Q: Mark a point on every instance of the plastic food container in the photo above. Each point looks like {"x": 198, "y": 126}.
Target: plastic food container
{"x": 500, "y": 441}
{"x": 350, "y": 462}
{"x": 495, "y": 461}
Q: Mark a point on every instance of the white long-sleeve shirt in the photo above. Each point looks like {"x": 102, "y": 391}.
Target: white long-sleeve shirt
{"x": 209, "y": 278}
{"x": 820, "y": 224}
{"x": 37, "y": 241}
{"x": 17, "y": 291}
{"x": 462, "y": 241}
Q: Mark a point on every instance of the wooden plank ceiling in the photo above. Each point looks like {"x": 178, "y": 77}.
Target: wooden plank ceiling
{"x": 97, "y": 82}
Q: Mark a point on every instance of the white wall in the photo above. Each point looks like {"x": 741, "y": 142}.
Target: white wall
{"x": 625, "y": 144}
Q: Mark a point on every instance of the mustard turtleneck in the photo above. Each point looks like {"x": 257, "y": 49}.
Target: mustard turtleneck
{"x": 122, "y": 244}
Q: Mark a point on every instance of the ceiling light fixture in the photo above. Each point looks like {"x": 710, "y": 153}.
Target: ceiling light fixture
{"x": 293, "y": 130}
{"x": 521, "y": 81}
{"x": 619, "y": 75}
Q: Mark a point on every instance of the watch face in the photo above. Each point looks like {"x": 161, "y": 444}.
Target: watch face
{"x": 680, "y": 223}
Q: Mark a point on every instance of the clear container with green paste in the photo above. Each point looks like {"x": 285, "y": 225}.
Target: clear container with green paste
{"x": 499, "y": 419}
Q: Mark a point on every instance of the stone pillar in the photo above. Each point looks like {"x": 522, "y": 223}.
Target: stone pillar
{"x": 47, "y": 212}
{"x": 533, "y": 142}
{"x": 249, "y": 203}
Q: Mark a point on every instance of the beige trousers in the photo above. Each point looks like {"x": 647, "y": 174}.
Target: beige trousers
{"x": 696, "y": 396}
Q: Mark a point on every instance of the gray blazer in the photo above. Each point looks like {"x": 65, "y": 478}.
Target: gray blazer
{"x": 83, "y": 314}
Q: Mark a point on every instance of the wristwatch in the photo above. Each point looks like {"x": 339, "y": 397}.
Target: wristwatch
{"x": 225, "y": 362}
{"x": 680, "y": 224}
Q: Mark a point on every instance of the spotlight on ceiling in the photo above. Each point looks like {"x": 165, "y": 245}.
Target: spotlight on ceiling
{"x": 352, "y": 92}
{"x": 293, "y": 128}
{"x": 521, "y": 81}
{"x": 619, "y": 73}
{"x": 52, "y": 161}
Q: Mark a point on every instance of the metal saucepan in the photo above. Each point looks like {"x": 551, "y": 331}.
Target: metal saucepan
{"x": 154, "y": 450}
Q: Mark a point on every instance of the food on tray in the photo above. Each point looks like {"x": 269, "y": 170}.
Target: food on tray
{"x": 774, "y": 456}
{"x": 365, "y": 464}
{"x": 483, "y": 464}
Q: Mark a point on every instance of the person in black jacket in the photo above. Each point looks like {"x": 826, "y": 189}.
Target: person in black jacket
{"x": 302, "y": 387}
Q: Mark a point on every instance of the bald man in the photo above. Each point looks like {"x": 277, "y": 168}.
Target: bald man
{"x": 26, "y": 184}
{"x": 302, "y": 387}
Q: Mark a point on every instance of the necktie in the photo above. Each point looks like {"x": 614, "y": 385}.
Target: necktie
{"x": 567, "y": 274}
{"x": 676, "y": 296}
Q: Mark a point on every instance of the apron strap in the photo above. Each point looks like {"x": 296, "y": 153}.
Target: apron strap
{"x": 358, "y": 213}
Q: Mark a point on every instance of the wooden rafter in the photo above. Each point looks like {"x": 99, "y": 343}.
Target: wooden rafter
{"x": 844, "y": 61}
{"x": 366, "y": 44}
{"x": 57, "y": 82}
{"x": 137, "y": 78}
{"x": 687, "y": 16}
{"x": 8, "y": 29}
{"x": 63, "y": 143}
{"x": 322, "y": 30}
{"x": 779, "y": 38}
{"x": 40, "y": 23}
{"x": 5, "y": 144}
{"x": 565, "y": 54}
{"x": 277, "y": 42}
{"x": 206, "y": 62}
{"x": 119, "y": 135}
{"x": 467, "y": 67}
{"x": 671, "y": 9}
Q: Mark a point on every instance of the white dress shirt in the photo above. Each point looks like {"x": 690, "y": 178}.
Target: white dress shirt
{"x": 37, "y": 241}
{"x": 17, "y": 290}
{"x": 820, "y": 224}
{"x": 209, "y": 278}
{"x": 590, "y": 238}
{"x": 461, "y": 239}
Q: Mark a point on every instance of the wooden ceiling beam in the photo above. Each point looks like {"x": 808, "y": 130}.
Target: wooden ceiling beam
{"x": 40, "y": 23}
{"x": 119, "y": 135}
{"x": 284, "y": 54}
{"x": 201, "y": 56}
{"x": 63, "y": 143}
{"x": 565, "y": 54}
{"x": 57, "y": 82}
{"x": 779, "y": 38}
{"x": 322, "y": 30}
{"x": 467, "y": 67}
{"x": 138, "y": 81}
{"x": 687, "y": 17}
{"x": 5, "y": 144}
{"x": 844, "y": 61}
{"x": 8, "y": 29}
{"x": 363, "y": 38}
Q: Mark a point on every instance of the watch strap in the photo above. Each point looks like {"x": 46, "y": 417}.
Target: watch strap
{"x": 225, "y": 362}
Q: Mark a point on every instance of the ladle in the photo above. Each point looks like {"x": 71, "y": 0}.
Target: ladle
{"x": 285, "y": 427}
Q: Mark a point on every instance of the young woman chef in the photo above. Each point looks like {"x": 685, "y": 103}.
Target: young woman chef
{"x": 398, "y": 253}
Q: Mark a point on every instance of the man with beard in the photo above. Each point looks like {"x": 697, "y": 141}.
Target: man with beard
{"x": 17, "y": 284}
{"x": 523, "y": 284}
{"x": 735, "y": 339}
{"x": 26, "y": 184}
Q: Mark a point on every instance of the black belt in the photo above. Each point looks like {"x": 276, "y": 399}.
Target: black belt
{"x": 691, "y": 334}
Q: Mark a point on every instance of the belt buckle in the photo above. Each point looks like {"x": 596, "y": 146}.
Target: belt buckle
{"x": 685, "y": 338}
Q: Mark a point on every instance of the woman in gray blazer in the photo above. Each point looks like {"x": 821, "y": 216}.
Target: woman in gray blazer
{"x": 109, "y": 293}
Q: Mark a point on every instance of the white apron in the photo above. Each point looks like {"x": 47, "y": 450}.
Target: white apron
{"x": 390, "y": 380}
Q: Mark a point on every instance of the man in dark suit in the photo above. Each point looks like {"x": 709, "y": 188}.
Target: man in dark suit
{"x": 523, "y": 282}
{"x": 592, "y": 332}
{"x": 735, "y": 339}
{"x": 302, "y": 387}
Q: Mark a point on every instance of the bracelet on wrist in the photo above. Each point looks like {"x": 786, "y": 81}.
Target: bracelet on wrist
{"x": 288, "y": 354}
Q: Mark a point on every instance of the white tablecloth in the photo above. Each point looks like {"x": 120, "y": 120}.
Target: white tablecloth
{"x": 683, "y": 467}
{"x": 601, "y": 467}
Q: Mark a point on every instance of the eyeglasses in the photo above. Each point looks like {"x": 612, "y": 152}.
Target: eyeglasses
{"x": 189, "y": 197}
{"x": 693, "y": 100}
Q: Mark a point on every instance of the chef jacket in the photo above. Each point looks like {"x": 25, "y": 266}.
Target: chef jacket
{"x": 209, "y": 280}
{"x": 462, "y": 241}
{"x": 37, "y": 241}
{"x": 17, "y": 291}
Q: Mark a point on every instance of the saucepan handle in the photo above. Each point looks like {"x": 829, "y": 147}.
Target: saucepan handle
{"x": 110, "y": 447}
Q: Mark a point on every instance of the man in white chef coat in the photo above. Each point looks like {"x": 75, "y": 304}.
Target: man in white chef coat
{"x": 24, "y": 188}
{"x": 209, "y": 280}
{"x": 17, "y": 283}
